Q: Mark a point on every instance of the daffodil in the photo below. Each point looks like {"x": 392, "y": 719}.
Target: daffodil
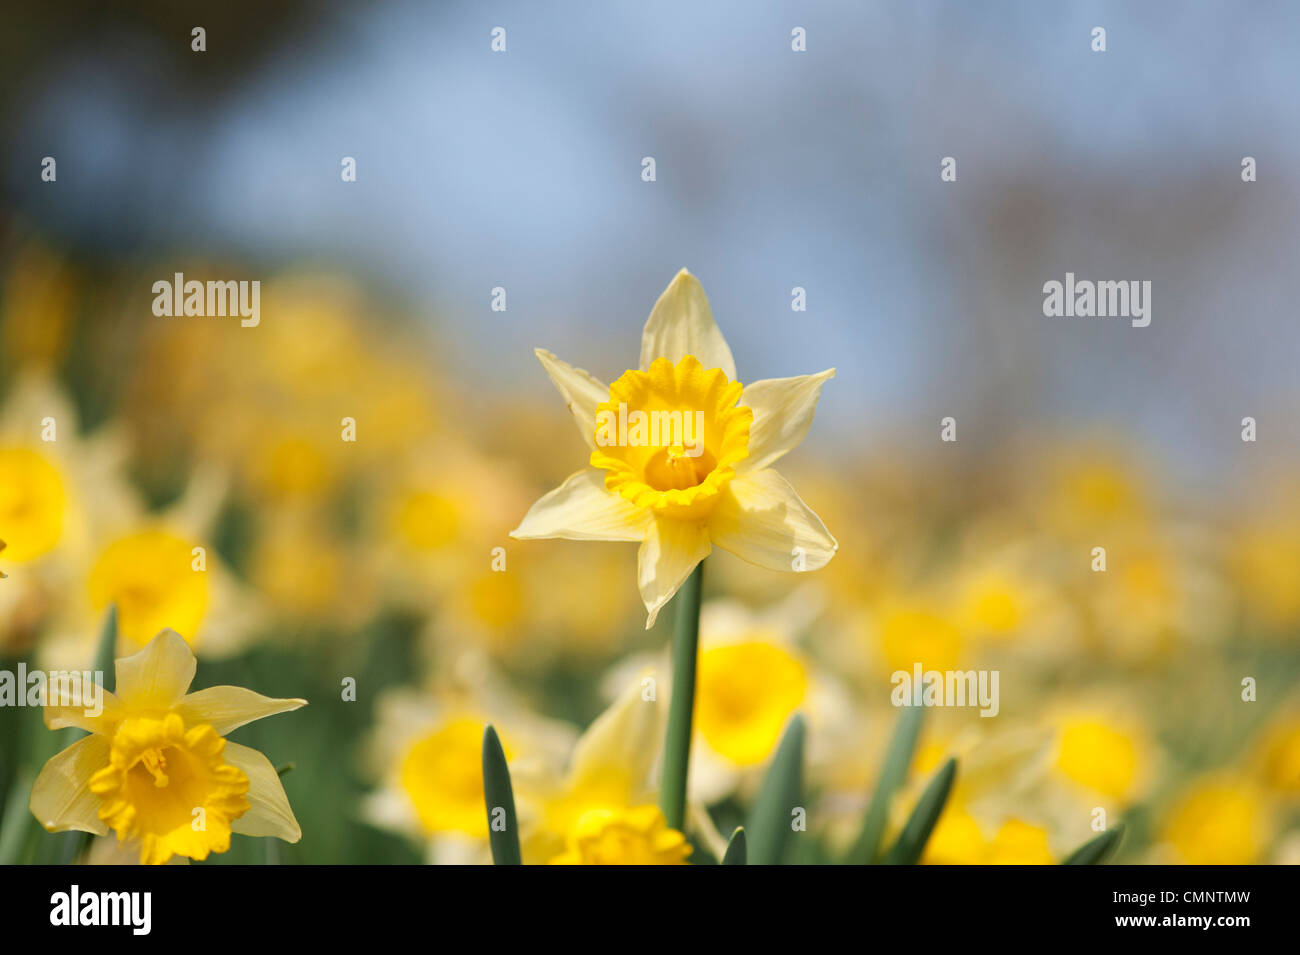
{"x": 426, "y": 754}
{"x": 56, "y": 486}
{"x": 752, "y": 677}
{"x": 682, "y": 454}
{"x": 1219, "y": 820}
{"x": 602, "y": 811}
{"x": 157, "y": 769}
{"x": 160, "y": 570}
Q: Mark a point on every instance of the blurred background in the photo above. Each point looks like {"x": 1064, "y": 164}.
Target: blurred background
{"x": 774, "y": 169}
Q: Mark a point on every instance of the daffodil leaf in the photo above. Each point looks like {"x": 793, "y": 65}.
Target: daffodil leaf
{"x": 893, "y": 773}
{"x": 770, "y": 820}
{"x": 1095, "y": 851}
{"x": 106, "y": 652}
{"x": 736, "y": 852}
{"x": 503, "y": 832}
{"x": 916, "y": 832}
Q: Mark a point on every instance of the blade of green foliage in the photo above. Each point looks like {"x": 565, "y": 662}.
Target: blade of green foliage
{"x": 503, "y": 833}
{"x": 916, "y": 832}
{"x": 893, "y": 773}
{"x": 1095, "y": 851}
{"x": 769, "y": 823}
{"x": 736, "y": 853}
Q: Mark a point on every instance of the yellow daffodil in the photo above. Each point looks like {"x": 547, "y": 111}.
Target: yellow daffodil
{"x": 960, "y": 839}
{"x": 161, "y": 571}
{"x": 157, "y": 769}
{"x": 426, "y": 753}
{"x": 1220, "y": 820}
{"x": 682, "y": 455}
{"x": 603, "y": 811}
{"x": 1104, "y": 751}
{"x": 56, "y": 487}
{"x": 752, "y": 677}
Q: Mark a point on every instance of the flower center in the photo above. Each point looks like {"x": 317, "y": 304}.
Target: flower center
{"x": 171, "y": 788}
{"x": 635, "y": 836}
{"x": 32, "y": 504}
{"x": 671, "y": 437}
{"x": 150, "y": 576}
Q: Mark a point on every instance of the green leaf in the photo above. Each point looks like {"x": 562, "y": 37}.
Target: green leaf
{"x": 916, "y": 832}
{"x": 499, "y": 795}
{"x": 893, "y": 773}
{"x": 769, "y": 822}
{"x": 106, "y": 652}
{"x": 18, "y": 821}
{"x": 1095, "y": 851}
{"x": 736, "y": 852}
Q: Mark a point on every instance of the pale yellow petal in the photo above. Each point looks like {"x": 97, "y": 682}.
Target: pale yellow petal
{"x": 763, "y": 520}
{"x": 667, "y": 556}
{"x": 157, "y": 676}
{"x": 61, "y": 799}
{"x": 617, "y": 753}
{"x": 783, "y": 413}
{"x": 269, "y": 813}
{"x": 66, "y": 709}
{"x": 228, "y": 707}
{"x": 681, "y": 323}
{"x": 582, "y": 509}
{"x": 581, "y": 392}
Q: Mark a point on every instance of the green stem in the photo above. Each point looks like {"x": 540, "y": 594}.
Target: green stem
{"x": 677, "y": 742}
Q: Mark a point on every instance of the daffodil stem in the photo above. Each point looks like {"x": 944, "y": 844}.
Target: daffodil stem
{"x": 677, "y": 742}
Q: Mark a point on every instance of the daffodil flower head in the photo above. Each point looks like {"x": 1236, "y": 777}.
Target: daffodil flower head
{"x": 681, "y": 455}
{"x": 157, "y": 769}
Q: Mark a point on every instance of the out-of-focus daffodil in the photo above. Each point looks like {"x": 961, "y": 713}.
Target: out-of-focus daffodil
{"x": 161, "y": 571}
{"x": 56, "y": 487}
{"x": 752, "y": 677}
{"x": 679, "y": 500}
{"x": 603, "y": 810}
{"x": 426, "y": 750}
{"x": 1102, "y": 751}
{"x": 157, "y": 769}
{"x": 1220, "y": 820}
{"x": 960, "y": 839}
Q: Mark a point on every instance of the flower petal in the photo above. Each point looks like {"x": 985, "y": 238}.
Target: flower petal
{"x": 681, "y": 323}
{"x": 667, "y": 556}
{"x": 65, "y": 709}
{"x": 229, "y": 707}
{"x": 61, "y": 798}
{"x": 761, "y": 519}
{"x": 620, "y": 747}
{"x": 269, "y": 813}
{"x": 157, "y": 676}
{"x": 582, "y": 509}
{"x": 581, "y": 392}
{"x": 783, "y": 413}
